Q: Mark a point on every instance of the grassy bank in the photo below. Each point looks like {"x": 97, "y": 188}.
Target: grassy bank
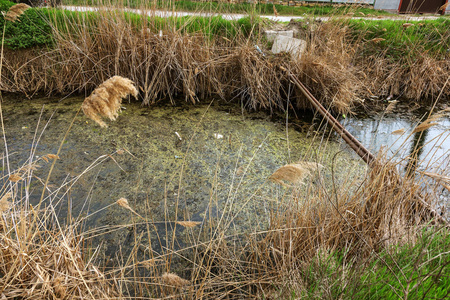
{"x": 201, "y": 57}
{"x": 312, "y": 9}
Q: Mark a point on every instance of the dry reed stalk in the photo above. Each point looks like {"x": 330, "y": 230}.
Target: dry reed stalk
{"x": 106, "y": 100}
{"x": 16, "y": 11}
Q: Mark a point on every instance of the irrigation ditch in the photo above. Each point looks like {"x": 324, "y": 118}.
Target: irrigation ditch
{"x": 217, "y": 180}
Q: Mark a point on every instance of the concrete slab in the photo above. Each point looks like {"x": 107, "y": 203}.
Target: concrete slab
{"x": 272, "y": 34}
{"x": 295, "y": 47}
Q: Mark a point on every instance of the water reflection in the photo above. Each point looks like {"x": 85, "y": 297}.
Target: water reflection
{"x": 416, "y": 151}
{"x": 426, "y": 148}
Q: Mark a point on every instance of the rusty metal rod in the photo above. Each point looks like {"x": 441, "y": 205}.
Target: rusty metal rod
{"x": 356, "y": 145}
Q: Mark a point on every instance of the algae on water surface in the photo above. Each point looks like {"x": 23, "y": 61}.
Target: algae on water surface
{"x": 170, "y": 162}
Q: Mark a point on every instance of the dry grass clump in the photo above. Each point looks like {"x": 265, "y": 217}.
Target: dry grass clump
{"x": 16, "y": 11}
{"x": 417, "y": 78}
{"x": 106, "y": 100}
{"x": 41, "y": 263}
{"x": 383, "y": 211}
{"x": 174, "y": 64}
{"x": 42, "y": 257}
{"x": 327, "y": 68}
{"x": 359, "y": 223}
{"x": 167, "y": 63}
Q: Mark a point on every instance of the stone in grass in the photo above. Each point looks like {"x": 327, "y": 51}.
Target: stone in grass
{"x": 272, "y": 34}
{"x": 295, "y": 47}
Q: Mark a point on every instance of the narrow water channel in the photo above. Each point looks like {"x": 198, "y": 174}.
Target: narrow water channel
{"x": 185, "y": 163}
{"x": 172, "y": 163}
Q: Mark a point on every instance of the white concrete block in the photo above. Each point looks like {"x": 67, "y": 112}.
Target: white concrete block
{"x": 295, "y": 47}
{"x": 272, "y": 34}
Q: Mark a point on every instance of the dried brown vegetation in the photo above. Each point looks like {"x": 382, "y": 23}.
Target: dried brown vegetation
{"x": 42, "y": 263}
{"x": 106, "y": 100}
{"x": 177, "y": 64}
{"x": 294, "y": 173}
{"x": 196, "y": 66}
{"x": 16, "y": 11}
{"x": 47, "y": 259}
{"x": 40, "y": 258}
{"x": 386, "y": 209}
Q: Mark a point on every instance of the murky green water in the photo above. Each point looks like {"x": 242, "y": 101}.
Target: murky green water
{"x": 172, "y": 163}
{"x": 204, "y": 163}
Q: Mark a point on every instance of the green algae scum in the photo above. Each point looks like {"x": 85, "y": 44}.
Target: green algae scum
{"x": 171, "y": 163}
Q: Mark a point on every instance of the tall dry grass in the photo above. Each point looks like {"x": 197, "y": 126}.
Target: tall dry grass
{"x": 166, "y": 62}
{"x": 40, "y": 257}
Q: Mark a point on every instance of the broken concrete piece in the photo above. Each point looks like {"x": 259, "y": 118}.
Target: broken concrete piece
{"x": 272, "y": 34}
{"x": 295, "y": 47}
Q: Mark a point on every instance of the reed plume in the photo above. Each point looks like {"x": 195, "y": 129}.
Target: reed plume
{"x": 16, "y": 11}
{"x": 124, "y": 203}
{"x": 444, "y": 7}
{"x": 398, "y": 131}
{"x": 174, "y": 280}
{"x": 4, "y": 203}
{"x": 430, "y": 122}
{"x": 390, "y": 108}
{"x": 15, "y": 178}
{"x": 294, "y": 173}
{"x": 106, "y": 99}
